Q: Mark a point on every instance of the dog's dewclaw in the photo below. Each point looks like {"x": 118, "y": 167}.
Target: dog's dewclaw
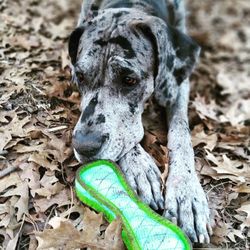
{"x": 102, "y": 186}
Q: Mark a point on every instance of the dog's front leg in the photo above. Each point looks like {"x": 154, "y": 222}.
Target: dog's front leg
{"x": 185, "y": 200}
{"x": 143, "y": 176}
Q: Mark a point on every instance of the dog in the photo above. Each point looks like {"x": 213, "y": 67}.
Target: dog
{"x": 123, "y": 52}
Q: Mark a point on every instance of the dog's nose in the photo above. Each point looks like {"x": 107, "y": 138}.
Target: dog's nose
{"x": 88, "y": 144}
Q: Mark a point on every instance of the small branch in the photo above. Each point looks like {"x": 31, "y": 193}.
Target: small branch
{"x": 7, "y": 171}
{"x": 55, "y": 129}
{"x": 3, "y": 152}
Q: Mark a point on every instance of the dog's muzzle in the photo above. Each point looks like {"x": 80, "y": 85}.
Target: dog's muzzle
{"x": 88, "y": 145}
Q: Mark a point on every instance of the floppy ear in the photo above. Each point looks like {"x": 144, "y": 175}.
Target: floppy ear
{"x": 175, "y": 57}
{"x": 74, "y": 42}
{"x": 187, "y": 53}
{"x": 88, "y": 11}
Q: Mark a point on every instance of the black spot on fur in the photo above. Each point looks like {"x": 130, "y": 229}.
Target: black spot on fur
{"x": 180, "y": 75}
{"x": 176, "y": 3}
{"x": 145, "y": 47}
{"x": 167, "y": 93}
{"x": 90, "y": 53}
{"x": 136, "y": 33}
{"x": 119, "y": 14}
{"x": 125, "y": 44}
{"x": 132, "y": 107}
{"x": 121, "y": 4}
{"x": 90, "y": 123}
{"x": 90, "y": 109}
{"x": 102, "y": 19}
{"x": 100, "y": 42}
{"x": 121, "y": 41}
{"x": 105, "y": 138}
{"x": 163, "y": 85}
{"x": 144, "y": 74}
{"x": 136, "y": 151}
{"x": 129, "y": 63}
{"x": 94, "y": 7}
{"x": 170, "y": 62}
{"x": 100, "y": 119}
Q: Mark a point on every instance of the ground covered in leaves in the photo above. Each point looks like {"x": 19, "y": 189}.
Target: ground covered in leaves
{"x": 39, "y": 107}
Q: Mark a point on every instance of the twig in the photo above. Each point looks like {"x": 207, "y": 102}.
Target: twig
{"x": 3, "y": 152}
{"x": 7, "y": 171}
{"x": 55, "y": 129}
{"x": 220, "y": 184}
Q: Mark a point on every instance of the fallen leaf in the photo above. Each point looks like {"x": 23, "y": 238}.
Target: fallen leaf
{"x": 245, "y": 207}
{"x": 232, "y": 169}
{"x": 22, "y": 191}
{"x": 199, "y": 136}
{"x": 205, "y": 110}
{"x": 60, "y": 199}
{"x": 66, "y": 236}
{"x": 113, "y": 235}
{"x": 14, "y": 128}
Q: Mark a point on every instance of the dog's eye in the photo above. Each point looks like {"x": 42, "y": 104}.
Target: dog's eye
{"x": 80, "y": 77}
{"x": 130, "y": 81}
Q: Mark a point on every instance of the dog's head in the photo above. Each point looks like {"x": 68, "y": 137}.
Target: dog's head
{"x": 119, "y": 57}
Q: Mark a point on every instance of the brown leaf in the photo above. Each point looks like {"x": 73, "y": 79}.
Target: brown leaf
{"x": 41, "y": 159}
{"x": 230, "y": 169}
{"x": 50, "y": 186}
{"x": 220, "y": 233}
{"x": 92, "y": 222}
{"x": 65, "y": 62}
{"x": 21, "y": 205}
{"x": 24, "y": 41}
{"x": 242, "y": 188}
{"x": 245, "y": 207}
{"x": 14, "y": 128}
{"x": 13, "y": 242}
{"x": 66, "y": 236}
{"x": 8, "y": 181}
{"x": 205, "y": 110}
{"x": 238, "y": 112}
{"x": 61, "y": 199}
{"x": 199, "y": 136}
{"x": 113, "y": 235}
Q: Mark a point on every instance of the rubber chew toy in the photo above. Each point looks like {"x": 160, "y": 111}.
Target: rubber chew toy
{"x": 102, "y": 186}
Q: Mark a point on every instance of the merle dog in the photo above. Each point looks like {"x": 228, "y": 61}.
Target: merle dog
{"x": 122, "y": 52}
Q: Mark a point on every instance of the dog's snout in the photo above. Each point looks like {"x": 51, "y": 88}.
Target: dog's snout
{"x": 88, "y": 144}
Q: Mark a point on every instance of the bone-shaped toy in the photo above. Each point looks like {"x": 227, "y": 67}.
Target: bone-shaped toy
{"x": 102, "y": 186}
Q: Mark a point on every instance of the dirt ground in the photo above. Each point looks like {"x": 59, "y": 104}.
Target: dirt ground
{"x": 39, "y": 107}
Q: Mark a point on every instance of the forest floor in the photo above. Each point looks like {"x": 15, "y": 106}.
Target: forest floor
{"x": 39, "y": 108}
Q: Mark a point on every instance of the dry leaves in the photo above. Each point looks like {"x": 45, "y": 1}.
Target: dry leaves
{"x": 64, "y": 235}
{"x": 220, "y": 115}
{"x": 38, "y": 110}
{"x": 39, "y": 107}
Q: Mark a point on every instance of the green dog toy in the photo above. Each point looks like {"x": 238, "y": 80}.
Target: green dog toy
{"x": 102, "y": 186}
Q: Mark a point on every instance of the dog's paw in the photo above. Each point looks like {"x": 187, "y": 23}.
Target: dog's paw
{"x": 186, "y": 205}
{"x": 143, "y": 176}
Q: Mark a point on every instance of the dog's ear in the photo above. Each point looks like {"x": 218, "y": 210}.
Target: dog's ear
{"x": 74, "y": 42}
{"x": 175, "y": 53}
{"x": 186, "y": 52}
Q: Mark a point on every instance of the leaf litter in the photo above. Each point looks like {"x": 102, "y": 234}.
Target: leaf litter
{"x": 39, "y": 107}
